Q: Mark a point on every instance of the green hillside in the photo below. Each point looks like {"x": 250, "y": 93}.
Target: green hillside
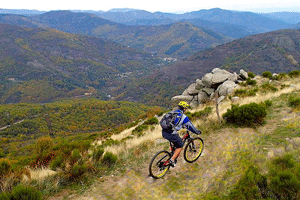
{"x": 278, "y": 52}
{"x": 40, "y": 65}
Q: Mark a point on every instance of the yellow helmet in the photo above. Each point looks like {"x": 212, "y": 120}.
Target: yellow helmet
{"x": 183, "y": 104}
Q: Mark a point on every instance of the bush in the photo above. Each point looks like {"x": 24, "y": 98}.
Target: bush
{"x": 5, "y": 167}
{"x": 75, "y": 156}
{"x": 109, "y": 158}
{"x": 98, "y": 152}
{"x": 22, "y": 192}
{"x": 151, "y": 121}
{"x": 249, "y": 81}
{"x": 76, "y": 171}
{"x": 267, "y": 74}
{"x": 42, "y": 145}
{"x": 268, "y": 103}
{"x": 294, "y": 73}
{"x": 294, "y": 101}
{"x": 269, "y": 87}
{"x": 199, "y": 114}
{"x": 5, "y": 196}
{"x": 58, "y": 162}
{"x": 250, "y": 185}
{"x": 246, "y": 115}
{"x": 251, "y": 75}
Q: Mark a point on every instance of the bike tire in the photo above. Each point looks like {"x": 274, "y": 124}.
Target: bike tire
{"x": 157, "y": 169}
{"x": 193, "y": 149}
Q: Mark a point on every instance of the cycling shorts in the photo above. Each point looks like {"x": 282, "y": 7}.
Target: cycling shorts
{"x": 175, "y": 138}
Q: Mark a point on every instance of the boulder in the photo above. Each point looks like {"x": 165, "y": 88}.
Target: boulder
{"x": 206, "y": 80}
{"x": 199, "y": 85}
{"x": 219, "y": 76}
{"x": 226, "y": 88}
{"x": 208, "y": 91}
{"x": 202, "y": 97}
{"x": 182, "y": 98}
{"x": 190, "y": 90}
{"x": 243, "y": 74}
{"x": 233, "y": 77}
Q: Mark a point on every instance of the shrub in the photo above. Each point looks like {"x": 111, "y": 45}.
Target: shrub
{"x": 75, "y": 156}
{"x": 280, "y": 76}
{"x": 109, "y": 158}
{"x": 5, "y": 167}
{"x": 5, "y": 196}
{"x": 139, "y": 130}
{"x": 98, "y": 152}
{"x": 268, "y": 103}
{"x": 76, "y": 171}
{"x": 294, "y": 73}
{"x": 42, "y": 145}
{"x": 285, "y": 184}
{"x": 249, "y": 81}
{"x": 269, "y": 87}
{"x": 250, "y": 185}
{"x": 251, "y": 75}
{"x": 294, "y": 101}
{"x": 267, "y": 74}
{"x": 151, "y": 121}
{"x": 58, "y": 162}
{"x": 22, "y": 192}
{"x": 199, "y": 114}
{"x": 246, "y": 115}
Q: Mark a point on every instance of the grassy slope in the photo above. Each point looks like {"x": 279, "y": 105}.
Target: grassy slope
{"x": 228, "y": 153}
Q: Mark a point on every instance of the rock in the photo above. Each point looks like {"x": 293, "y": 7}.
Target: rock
{"x": 202, "y": 97}
{"x": 235, "y": 99}
{"x": 208, "y": 91}
{"x": 191, "y": 89}
{"x": 206, "y": 80}
{"x": 226, "y": 88}
{"x": 182, "y": 98}
{"x": 219, "y": 76}
{"x": 199, "y": 85}
{"x": 243, "y": 74}
{"x": 233, "y": 77}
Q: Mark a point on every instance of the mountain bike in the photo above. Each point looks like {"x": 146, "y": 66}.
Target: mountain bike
{"x": 159, "y": 164}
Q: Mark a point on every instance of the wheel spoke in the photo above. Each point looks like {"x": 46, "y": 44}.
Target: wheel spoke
{"x": 193, "y": 150}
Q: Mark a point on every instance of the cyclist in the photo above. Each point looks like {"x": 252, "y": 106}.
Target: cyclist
{"x": 181, "y": 121}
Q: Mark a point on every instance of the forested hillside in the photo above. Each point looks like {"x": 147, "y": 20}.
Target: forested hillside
{"x": 277, "y": 51}
{"x": 40, "y": 65}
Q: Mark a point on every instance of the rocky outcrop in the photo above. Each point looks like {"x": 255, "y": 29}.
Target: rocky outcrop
{"x": 218, "y": 81}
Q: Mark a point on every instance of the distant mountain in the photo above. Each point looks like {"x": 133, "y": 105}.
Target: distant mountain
{"x": 176, "y": 40}
{"x": 20, "y": 20}
{"x": 40, "y": 65}
{"x": 179, "y": 39}
{"x": 277, "y": 51}
{"x": 252, "y": 22}
{"x": 288, "y": 17}
{"x": 20, "y": 11}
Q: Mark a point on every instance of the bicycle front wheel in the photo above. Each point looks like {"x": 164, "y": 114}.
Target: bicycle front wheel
{"x": 193, "y": 149}
{"x": 158, "y": 167}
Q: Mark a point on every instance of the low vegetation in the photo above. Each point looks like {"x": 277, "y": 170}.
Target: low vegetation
{"x": 69, "y": 143}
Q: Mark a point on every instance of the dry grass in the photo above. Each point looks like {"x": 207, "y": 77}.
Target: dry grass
{"x": 155, "y": 134}
{"x": 40, "y": 174}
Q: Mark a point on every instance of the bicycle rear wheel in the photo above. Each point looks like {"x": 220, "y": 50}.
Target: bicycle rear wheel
{"x": 157, "y": 167}
{"x": 193, "y": 149}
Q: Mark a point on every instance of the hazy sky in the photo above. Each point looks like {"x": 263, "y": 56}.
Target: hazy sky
{"x": 155, "y": 5}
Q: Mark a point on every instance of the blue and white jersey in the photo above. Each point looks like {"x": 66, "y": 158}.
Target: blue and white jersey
{"x": 182, "y": 121}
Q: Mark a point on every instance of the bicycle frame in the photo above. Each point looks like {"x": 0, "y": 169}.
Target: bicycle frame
{"x": 184, "y": 138}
